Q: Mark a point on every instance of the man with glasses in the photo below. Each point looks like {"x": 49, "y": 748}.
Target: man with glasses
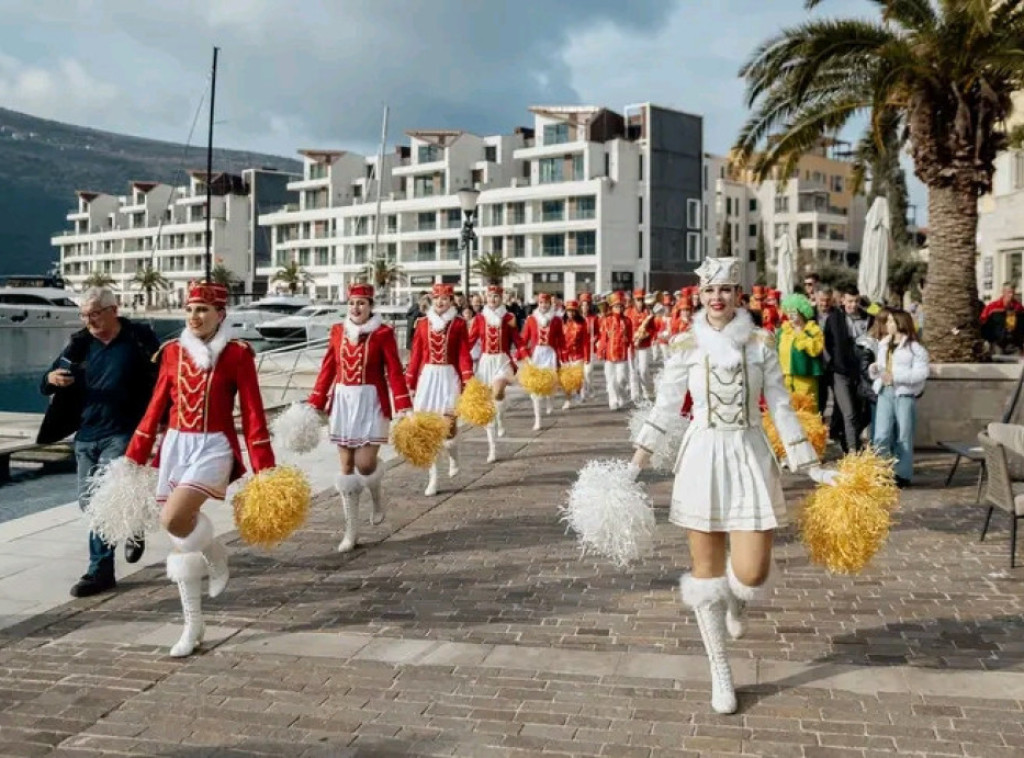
{"x": 100, "y": 386}
{"x": 811, "y": 282}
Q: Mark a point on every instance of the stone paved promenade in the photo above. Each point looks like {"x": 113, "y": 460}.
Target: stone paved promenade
{"x": 468, "y": 625}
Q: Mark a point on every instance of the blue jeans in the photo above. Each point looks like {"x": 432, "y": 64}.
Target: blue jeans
{"x": 90, "y": 456}
{"x": 895, "y": 416}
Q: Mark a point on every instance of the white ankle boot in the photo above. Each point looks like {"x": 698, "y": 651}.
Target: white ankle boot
{"x": 431, "y": 489}
{"x": 536, "y": 412}
{"x": 492, "y": 449}
{"x": 741, "y": 596}
{"x": 187, "y": 570}
{"x": 499, "y": 417}
{"x": 453, "y": 458}
{"x": 372, "y": 484}
{"x": 349, "y": 486}
{"x": 708, "y": 599}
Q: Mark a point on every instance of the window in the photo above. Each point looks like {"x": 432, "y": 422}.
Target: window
{"x": 640, "y": 245}
{"x": 359, "y": 253}
{"x": 607, "y": 165}
{"x": 586, "y": 243}
{"x": 577, "y": 168}
{"x": 491, "y": 153}
{"x": 837, "y": 184}
{"x": 423, "y": 186}
{"x": 497, "y": 215}
{"x": 517, "y": 246}
{"x": 752, "y": 230}
{"x": 640, "y": 209}
{"x": 428, "y": 153}
{"x": 752, "y": 207}
{"x": 556, "y": 134}
{"x": 782, "y": 204}
{"x": 586, "y": 206}
{"x": 693, "y": 213}
{"x": 304, "y": 256}
{"x": 391, "y": 224}
{"x": 454, "y": 218}
{"x": 752, "y": 255}
{"x": 705, "y": 178}
{"x": 692, "y": 247}
{"x": 553, "y": 210}
{"x": 451, "y": 250}
{"x": 728, "y": 206}
{"x": 426, "y": 251}
{"x": 781, "y": 229}
{"x": 550, "y": 170}
{"x": 426, "y": 220}
{"x": 553, "y": 245}
{"x": 323, "y": 256}
{"x": 497, "y": 244}
{"x": 517, "y": 213}
{"x": 641, "y": 166}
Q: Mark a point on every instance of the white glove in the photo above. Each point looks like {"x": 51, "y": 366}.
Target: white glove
{"x": 822, "y": 475}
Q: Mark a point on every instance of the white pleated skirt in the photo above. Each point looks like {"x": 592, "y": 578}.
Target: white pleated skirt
{"x": 544, "y": 357}
{"x": 494, "y": 366}
{"x": 727, "y": 480}
{"x": 437, "y": 390}
{"x": 194, "y": 460}
{"x": 356, "y": 417}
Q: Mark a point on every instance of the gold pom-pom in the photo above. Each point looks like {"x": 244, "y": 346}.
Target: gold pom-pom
{"x": 272, "y": 505}
{"x": 420, "y": 436}
{"x": 570, "y": 376}
{"x": 537, "y": 381}
{"x": 845, "y": 524}
{"x": 810, "y": 420}
{"x": 476, "y": 404}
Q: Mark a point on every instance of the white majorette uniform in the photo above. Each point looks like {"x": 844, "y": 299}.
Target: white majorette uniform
{"x": 542, "y": 343}
{"x": 494, "y": 331}
{"x": 726, "y": 476}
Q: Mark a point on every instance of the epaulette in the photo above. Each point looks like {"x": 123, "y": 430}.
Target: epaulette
{"x": 160, "y": 350}
{"x": 244, "y": 344}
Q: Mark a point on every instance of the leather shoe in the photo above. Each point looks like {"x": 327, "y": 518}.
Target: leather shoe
{"x": 92, "y": 584}
{"x": 133, "y": 550}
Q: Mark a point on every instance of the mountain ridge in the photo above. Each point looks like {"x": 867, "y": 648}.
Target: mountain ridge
{"x": 44, "y": 162}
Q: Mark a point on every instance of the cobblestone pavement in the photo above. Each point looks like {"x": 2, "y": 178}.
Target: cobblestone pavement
{"x": 469, "y": 625}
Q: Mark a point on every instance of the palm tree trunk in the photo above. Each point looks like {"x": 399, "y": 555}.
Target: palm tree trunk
{"x": 951, "y": 324}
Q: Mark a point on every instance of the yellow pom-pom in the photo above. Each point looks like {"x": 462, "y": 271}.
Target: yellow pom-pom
{"x": 272, "y": 505}
{"x": 476, "y": 405}
{"x": 803, "y": 402}
{"x": 570, "y": 376}
{"x": 420, "y": 436}
{"x": 845, "y": 524}
{"x": 537, "y": 381}
{"x": 810, "y": 420}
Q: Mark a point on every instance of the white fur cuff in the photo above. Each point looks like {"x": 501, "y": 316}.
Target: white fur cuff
{"x": 746, "y": 593}
{"x": 369, "y": 480}
{"x": 185, "y": 566}
{"x": 198, "y": 539}
{"x": 348, "y": 484}
{"x": 698, "y": 593}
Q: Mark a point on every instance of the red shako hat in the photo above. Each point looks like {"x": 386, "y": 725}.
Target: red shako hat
{"x": 639, "y": 293}
{"x": 360, "y": 289}
{"x": 543, "y": 297}
{"x": 443, "y": 290}
{"x": 572, "y": 305}
{"x": 495, "y": 289}
{"x": 208, "y": 293}
{"x": 617, "y": 298}
{"x": 586, "y": 297}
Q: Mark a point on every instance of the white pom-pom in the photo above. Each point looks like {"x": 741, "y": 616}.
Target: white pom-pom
{"x": 122, "y": 501}
{"x": 663, "y": 457}
{"x": 297, "y": 429}
{"x": 610, "y": 512}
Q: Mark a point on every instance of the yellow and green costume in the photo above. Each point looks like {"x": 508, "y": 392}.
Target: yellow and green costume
{"x": 800, "y": 357}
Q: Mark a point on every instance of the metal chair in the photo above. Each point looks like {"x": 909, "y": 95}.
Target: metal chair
{"x": 1000, "y": 491}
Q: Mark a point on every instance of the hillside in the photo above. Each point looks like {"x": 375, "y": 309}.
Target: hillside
{"x": 43, "y": 163}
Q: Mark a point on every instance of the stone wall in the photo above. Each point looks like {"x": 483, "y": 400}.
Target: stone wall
{"x": 960, "y": 400}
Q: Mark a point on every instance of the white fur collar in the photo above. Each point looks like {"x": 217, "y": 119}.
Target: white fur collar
{"x": 725, "y": 347}
{"x": 205, "y": 354}
{"x": 543, "y": 318}
{"x": 440, "y": 323}
{"x": 352, "y": 331}
{"x": 493, "y": 316}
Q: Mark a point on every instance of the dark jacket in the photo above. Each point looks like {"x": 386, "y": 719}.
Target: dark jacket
{"x": 64, "y": 414}
{"x": 411, "y": 317}
{"x": 839, "y": 345}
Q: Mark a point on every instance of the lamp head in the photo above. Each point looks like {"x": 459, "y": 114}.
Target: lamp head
{"x": 467, "y": 199}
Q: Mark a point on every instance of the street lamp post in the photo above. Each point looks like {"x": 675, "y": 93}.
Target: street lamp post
{"x": 467, "y": 201}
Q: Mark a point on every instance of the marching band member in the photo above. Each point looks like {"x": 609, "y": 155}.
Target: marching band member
{"x": 438, "y": 367}
{"x": 727, "y": 483}
{"x": 360, "y": 364}
{"x": 614, "y": 342}
{"x": 593, "y": 320}
{"x": 576, "y": 343}
{"x": 201, "y": 373}
{"x": 682, "y": 316}
{"x": 494, "y": 331}
{"x": 771, "y": 315}
{"x": 542, "y": 342}
{"x": 663, "y": 326}
{"x": 641, "y": 320}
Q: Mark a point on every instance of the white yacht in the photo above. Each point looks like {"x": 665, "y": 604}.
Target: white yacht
{"x": 37, "y": 307}
{"x": 310, "y": 323}
{"x": 244, "y": 319}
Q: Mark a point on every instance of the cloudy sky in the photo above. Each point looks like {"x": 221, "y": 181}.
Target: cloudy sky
{"x": 317, "y": 73}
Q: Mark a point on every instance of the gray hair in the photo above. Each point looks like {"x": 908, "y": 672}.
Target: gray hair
{"x": 102, "y": 296}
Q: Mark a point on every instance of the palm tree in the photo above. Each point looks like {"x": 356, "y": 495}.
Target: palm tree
{"x": 292, "y": 275}
{"x": 98, "y": 279}
{"x": 222, "y": 275}
{"x": 493, "y": 268}
{"x": 383, "y": 272}
{"x": 149, "y": 279}
{"x": 947, "y": 69}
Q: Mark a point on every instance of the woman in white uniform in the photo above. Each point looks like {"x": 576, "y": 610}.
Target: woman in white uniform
{"x": 727, "y": 481}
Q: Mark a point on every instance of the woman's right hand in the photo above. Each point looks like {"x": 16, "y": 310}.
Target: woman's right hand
{"x": 640, "y": 459}
{"x": 60, "y": 377}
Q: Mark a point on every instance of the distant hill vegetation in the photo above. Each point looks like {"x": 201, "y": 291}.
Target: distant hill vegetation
{"x": 43, "y": 163}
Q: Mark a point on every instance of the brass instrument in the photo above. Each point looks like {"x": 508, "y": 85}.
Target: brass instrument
{"x": 641, "y": 332}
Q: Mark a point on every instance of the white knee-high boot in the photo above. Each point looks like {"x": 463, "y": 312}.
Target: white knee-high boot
{"x": 372, "y": 484}
{"x": 708, "y": 599}
{"x": 431, "y": 489}
{"x": 452, "y": 446}
{"x": 200, "y": 540}
{"x": 349, "y": 486}
{"x": 548, "y": 404}
{"x": 186, "y": 570}
{"x": 499, "y": 417}
{"x": 492, "y": 449}
{"x": 536, "y": 412}
{"x": 740, "y": 596}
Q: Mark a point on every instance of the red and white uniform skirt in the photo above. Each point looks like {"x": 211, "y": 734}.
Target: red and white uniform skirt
{"x": 438, "y": 389}
{"x": 543, "y": 356}
{"x": 356, "y": 417}
{"x": 195, "y": 460}
{"x": 494, "y": 366}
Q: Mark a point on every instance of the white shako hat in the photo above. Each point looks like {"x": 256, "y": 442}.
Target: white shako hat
{"x": 719, "y": 271}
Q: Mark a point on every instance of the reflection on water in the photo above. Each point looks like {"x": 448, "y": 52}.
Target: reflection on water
{"x": 20, "y": 392}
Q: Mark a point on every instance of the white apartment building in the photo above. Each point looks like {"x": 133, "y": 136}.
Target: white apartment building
{"x": 164, "y": 226}
{"x": 583, "y": 200}
{"x": 1001, "y": 220}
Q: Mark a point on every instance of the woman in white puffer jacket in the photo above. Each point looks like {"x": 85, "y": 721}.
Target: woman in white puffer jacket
{"x": 900, "y": 371}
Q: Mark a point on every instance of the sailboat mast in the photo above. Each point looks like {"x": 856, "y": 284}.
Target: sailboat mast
{"x": 209, "y": 170}
{"x": 380, "y": 167}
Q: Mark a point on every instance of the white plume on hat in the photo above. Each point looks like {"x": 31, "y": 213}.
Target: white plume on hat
{"x": 719, "y": 271}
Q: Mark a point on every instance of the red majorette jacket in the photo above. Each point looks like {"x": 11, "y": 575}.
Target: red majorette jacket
{"x": 593, "y": 331}
{"x": 576, "y": 346}
{"x": 448, "y": 345}
{"x": 195, "y": 391}
{"x": 497, "y": 338}
{"x": 637, "y": 319}
{"x": 537, "y": 335}
{"x": 680, "y": 324}
{"x": 615, "y": 341}
{"x": 362, "y": 355}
